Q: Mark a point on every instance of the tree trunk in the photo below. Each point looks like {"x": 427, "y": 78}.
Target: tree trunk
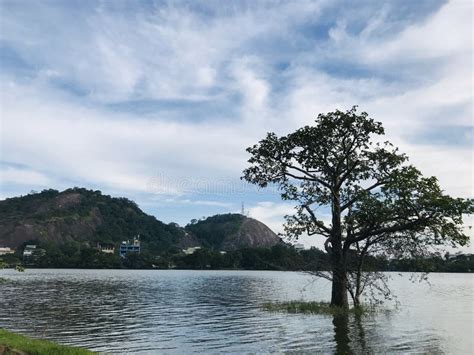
{"x": 339, "y": 275}
{"x": 357, "y": 300}
{"x": 339, "y": 282}
{"x": 339, "y": 269}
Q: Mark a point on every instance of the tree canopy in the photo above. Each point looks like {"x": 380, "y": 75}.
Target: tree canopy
{"x": 378, "y": 202}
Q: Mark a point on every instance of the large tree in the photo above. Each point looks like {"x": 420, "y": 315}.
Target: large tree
{"x": 378, "y": 202}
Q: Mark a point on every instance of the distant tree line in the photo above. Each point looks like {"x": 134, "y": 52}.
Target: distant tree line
{"x": 72, "y": 254}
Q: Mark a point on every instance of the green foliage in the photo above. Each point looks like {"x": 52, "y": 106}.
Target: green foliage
{"x": 433, "y": 263}
{"x": 19, "y": 343}
{"x": 88, "y": 217}
{"x": 138, "y": 261}
{"x": 279, "y": 257}
{"x": 213, "y": 230}
{"x": 24, "y": 206}
{"x": 6, "y": 261}
{"x": 72, "y": 254}
{"x": 373, "y": 193}
{"x": 119, "y": 219}
{"x": 315, "y": 308}
{"x": 379, "y": 203}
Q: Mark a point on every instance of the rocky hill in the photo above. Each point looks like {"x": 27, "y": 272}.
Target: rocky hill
{"x": 233, "y": 231}
{"x": 84, "y": 216}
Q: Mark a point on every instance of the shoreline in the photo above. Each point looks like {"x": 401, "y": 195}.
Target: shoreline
{"x": 226, "y": 270}
{"x": 18, "y": 344}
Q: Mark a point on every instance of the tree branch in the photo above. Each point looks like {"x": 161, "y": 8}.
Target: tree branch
{"x": 397, "y": 228}
{"x": 310, "y": 178}
{"x": 368, "y": 189}
{"x": 326, "y": 245}
{"x": 346, "y": 174}
{"x": 315, "y": 220}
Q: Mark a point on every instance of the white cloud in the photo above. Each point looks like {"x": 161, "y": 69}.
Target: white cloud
{"x": 168, "y": 52}
{"x": 28, "y": 177}
{"x": 172, "y": 53}
{"x": 186, "y": 201}
{"x": 271, "y": 214}
{"x": 447, "y": 33}
{"x": 254, "y": 89}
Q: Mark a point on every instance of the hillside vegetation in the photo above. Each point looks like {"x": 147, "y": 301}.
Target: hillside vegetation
{"x": 83, "y": 216}
{"x": 68, "y": 225}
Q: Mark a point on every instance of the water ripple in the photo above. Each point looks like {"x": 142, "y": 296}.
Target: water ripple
{"x": 124, "y": 311}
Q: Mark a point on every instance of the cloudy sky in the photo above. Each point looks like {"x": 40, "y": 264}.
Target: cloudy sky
{"x": 157, "y": 101}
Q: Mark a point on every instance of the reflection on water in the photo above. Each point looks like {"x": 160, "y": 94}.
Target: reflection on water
{"x": 341, "y": 334}
{"x": 219, "y": 311}
{"x": 350, "y": 338}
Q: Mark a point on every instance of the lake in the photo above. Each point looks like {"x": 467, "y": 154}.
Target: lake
{"x": 174, "y": 311}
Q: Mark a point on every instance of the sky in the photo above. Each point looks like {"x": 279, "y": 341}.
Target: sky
{"x": 156, "y": 101}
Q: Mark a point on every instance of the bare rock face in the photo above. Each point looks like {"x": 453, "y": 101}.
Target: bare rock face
{"x": 251, "y": 234}
{"x": 52, "y": 218}
{"x": 188, "y": 240}
{"x": 82, "y": 216}
{"x": 233, "y": 231}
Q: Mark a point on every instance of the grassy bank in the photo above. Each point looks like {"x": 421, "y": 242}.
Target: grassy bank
{"x": 15, "y": 344}
{"x": 314, "y": 308}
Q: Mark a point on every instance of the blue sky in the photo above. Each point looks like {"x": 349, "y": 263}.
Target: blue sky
{"x": 157, "y": 100}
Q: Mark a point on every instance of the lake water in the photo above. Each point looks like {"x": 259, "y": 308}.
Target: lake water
{"x": 171, "y": 311}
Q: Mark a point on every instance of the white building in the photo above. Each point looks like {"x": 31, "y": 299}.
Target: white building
{"x": 6, "y": 250}
{"x": 107, "y": 248}
{"x": 191, "y": 250}
{"x": 130, "y": 247}
{"x": 299, "y": 246}
{"x": 29, "y": 250}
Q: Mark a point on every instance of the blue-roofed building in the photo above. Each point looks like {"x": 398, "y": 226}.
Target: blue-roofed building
{"x": 130, "y": 247}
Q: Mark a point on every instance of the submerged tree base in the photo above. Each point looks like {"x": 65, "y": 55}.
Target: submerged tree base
{"x": 11, "y": 343}
{"x": 315, "y": 308}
